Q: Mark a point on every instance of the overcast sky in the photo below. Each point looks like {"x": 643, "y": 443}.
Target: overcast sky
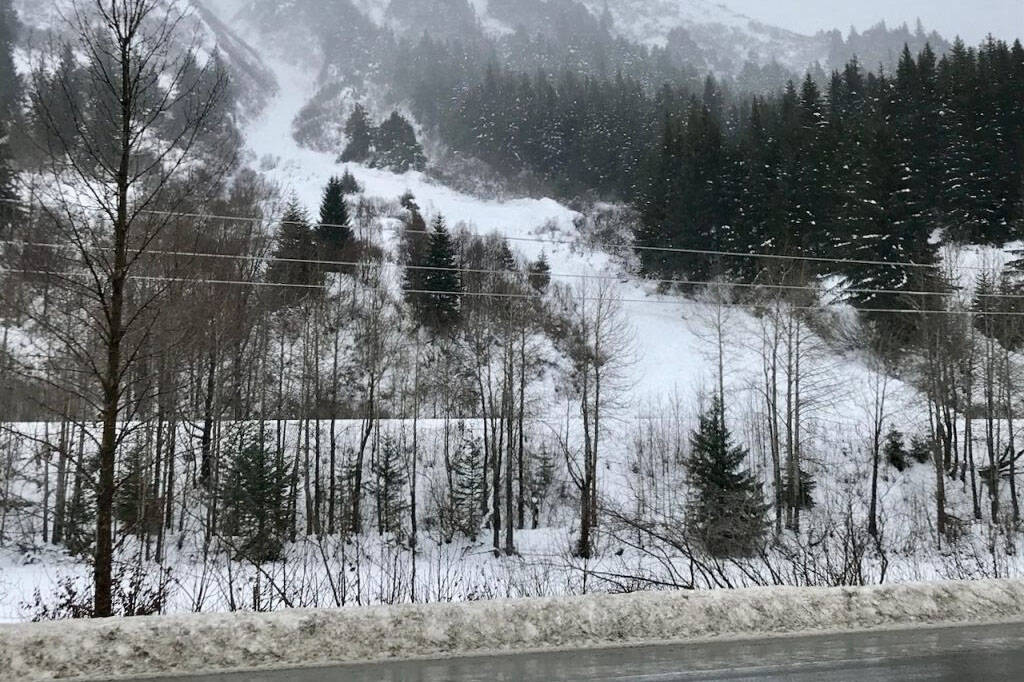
{"x": 971, "y": 19}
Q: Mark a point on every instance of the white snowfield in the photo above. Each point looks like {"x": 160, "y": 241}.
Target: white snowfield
{"x": 130, "y": 647}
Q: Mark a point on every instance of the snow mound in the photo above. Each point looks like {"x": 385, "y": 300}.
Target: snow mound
{"x": 191, "y": 644}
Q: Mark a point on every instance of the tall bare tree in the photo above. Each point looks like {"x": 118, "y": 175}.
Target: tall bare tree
{"x": 144, "y": 109}
{"x": 600, "y": 344}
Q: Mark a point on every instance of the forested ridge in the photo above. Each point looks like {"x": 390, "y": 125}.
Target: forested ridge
{"x": 867, "y": 168}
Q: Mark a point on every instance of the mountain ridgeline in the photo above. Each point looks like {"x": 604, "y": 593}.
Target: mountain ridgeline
{"x": 382, "y": 44}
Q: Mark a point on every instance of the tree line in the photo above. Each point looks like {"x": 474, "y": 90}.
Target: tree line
{"x": 872, "y": 167}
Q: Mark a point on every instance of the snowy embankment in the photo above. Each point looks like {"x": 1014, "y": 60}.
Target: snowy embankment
{"x": 189, "y": 644}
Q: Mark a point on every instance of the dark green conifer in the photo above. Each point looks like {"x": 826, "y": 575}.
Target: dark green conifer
{"x": 360, "y": 133}
{"x": 727, "y": 508}
{"x": 254, "y": 493}
{"x": 294, "y": 261}
{"x": 334, "y": 231}
{"x": 434, "y": 282}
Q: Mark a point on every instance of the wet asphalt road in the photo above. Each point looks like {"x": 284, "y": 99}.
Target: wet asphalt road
{"x": 986, "y": 652}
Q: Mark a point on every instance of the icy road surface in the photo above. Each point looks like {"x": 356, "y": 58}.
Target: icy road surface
{"x": 986, "y": 652}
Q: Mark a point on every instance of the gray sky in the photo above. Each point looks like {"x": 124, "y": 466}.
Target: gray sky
{"x": 971, "y": 19}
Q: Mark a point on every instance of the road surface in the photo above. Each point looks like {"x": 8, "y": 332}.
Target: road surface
{"x": 987, "y": 652}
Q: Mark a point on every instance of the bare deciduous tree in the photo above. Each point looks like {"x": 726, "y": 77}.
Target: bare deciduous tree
{"x": 141, "y": 107}
{"x": 599, "y": 342}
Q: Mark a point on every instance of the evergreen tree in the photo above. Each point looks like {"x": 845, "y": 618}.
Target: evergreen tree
{"x": 758, "y": 212}
{"x": 997, "y": 306}
{"x": 349, "y": 184}
{"x": 468, "y": 487}
{"x": 890, "y": 225}
{"x": 388, "y": 485}
{"x": 360, "y": 133}
{"x": 805, "y": 494}
{"x": 971, "y": 138}
{"x": 10, "y": 98}
{"x": 434, "y": 283}
{"x": 10, "y": 210}
{"x": 543, "y": 476}
{"x": 293, "y": 258}
{"x": 397, "y": 147}
{"x": 254, "y": 493}
{"x": 540, "y": 274}
{"x": 809, "y": 175}
{"x": 334, "y": 231}
{"x": 134, "y": 503}
{"x": 54, "y": 99}
{"x": 895, "y": 451}
{"x": 727, "y": 508}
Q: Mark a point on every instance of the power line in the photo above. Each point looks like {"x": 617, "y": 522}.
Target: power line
{"x": 617, "y": 247}
{"x": 515, "y": 295}
{"x": 478, "y": 271}
{"x": 568, "y": 242}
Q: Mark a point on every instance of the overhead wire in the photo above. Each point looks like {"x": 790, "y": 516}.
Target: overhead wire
{"x": 568, "y": 242}
{"x": 522, "y": 296}
{"x": 554, "y": 275}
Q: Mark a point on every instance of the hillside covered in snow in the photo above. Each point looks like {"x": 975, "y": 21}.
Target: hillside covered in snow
{"x": 448, "y": 300}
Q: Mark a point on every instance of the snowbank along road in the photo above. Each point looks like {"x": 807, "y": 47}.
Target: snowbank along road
{"x": 211, "y": 643}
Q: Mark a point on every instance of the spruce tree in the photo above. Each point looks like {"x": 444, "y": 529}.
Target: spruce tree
{"x": 55, "y": 127}
{"x": 133, "y": 503}
{"x": 894, "y": 451}
{"x": 434, "y": 283}
{"x": 805, "y": 494}
{"x": 254, "y": 494}
{"x": 294, "y": 258}
{"x": 360, "y": 133}
{"x": 397, "y": 147}
{"x": 389, "y": 485}
{"x": 540, "y": 274}
{"x": 11, "y": 212}
{"x": 10, "y": 94}
{"x": 887, "y": 214}
{"x": 727, "y": 508}
{"x": 758, "y": 211}
{"x": 349, "y": 184}
{"x": 467, "y": 487}
{"x": 10, "y": 84}
{"x": 966, "y": 183}
{"x": 334, "y": 231}
{"x": 809, "y": 208}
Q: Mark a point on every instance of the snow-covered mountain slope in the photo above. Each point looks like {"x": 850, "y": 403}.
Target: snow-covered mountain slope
{"x": 705, "y": 34}
{"x": 207, "y": 32}
{"x": 712, "y": 26}
{"x": 672, "y": 336}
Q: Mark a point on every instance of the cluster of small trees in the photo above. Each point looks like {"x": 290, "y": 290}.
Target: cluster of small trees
{"x": 392, "y": 144}
{"x": 304, "y": 252}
